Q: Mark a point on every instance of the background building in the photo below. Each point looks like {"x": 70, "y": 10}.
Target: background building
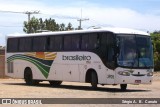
{"x": 2, "y": 63}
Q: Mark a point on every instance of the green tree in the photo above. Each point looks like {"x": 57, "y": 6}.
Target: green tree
{"x": 69, "y": 27}
{"x": 62, "y": 27}
{"x": 156, "y": 45}
{"x": 51, "y": 25}
{"x": 41, "y": 24}
{"x": 35, "y": 25}
{"x": 32, "y": 26}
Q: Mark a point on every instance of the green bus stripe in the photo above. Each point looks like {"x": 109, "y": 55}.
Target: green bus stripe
{"x": 44, "y": 69}
{"x": 10, "y": 58}
{"x": 27, "y": 59}
{"x": 45, "y": 73}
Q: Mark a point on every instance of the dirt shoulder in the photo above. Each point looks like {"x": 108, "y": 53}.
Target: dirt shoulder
{"x": 156, "y": 76}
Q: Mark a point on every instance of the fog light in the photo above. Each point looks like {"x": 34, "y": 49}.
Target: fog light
{"x": 150, "y": 74}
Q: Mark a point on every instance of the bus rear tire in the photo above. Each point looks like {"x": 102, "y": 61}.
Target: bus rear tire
{"x": 55, "y": 83}
{"x": 123, "y": 87}
{"x": 94, "y": 80}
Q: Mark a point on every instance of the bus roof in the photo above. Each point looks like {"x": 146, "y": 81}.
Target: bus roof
{"x": 108, "y": 29}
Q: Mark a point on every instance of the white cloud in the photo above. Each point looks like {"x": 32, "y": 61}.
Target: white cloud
{"x": 123, "y": 17}
{"x": 100, "y": 16}
{"x": 1, "y": 35}
{"x": 19, "y": 5}
{"x": 2, "y": 40}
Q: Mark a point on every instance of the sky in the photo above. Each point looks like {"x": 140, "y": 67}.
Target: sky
{"x": 137, "y": 14}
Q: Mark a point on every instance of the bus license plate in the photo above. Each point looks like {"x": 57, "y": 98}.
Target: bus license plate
{"x": 137, "y": 81}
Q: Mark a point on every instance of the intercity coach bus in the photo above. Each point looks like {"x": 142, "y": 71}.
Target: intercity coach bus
{"x": 106, "y": 56}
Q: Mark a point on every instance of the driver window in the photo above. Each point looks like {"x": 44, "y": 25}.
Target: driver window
{"x": 107, "y": 49}
{"x": 110, "y": 47}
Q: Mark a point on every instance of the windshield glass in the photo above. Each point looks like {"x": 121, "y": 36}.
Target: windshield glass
{"x": 135, "y": 51}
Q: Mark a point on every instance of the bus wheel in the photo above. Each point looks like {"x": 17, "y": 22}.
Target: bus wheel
{"x": 123, "y": 87}
{"x": 28, "y": 77}
{"x": 94, "y": 80}
{"x": 55, "y": 83}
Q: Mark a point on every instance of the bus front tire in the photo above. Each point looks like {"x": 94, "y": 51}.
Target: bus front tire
{"x": 55, "y": 83}
{"x": 28, "y": 77}
{"x": 94, "y": 80}
{"x": 123, "y": 87}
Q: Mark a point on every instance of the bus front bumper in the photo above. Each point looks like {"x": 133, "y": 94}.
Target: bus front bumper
{"x": 133, "y": 77}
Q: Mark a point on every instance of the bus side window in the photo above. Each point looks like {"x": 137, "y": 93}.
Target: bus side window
{"x": 58, "y": 43}
{"x": 39, "y": 44}
{"x": 12, "y": 45}
{"x": 75, "y": 42}
{"x": 52, "y": 43}
{"x": 93, "y": 41}
{"x": 25, "y": 44}
{"x": 28, "y": 44}
{"x": 67, "y": 42}
{"x": 47, "y": 48}
{"x": 84, "y": 43}
{"x": 21, "y": 44}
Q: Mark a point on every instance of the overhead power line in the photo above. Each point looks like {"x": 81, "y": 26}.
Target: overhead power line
{"x": 10, "y": 26}
{"x": 60, "y": 16}
{"x": 2, "y": 11}
{"x": 29, "y": 13}
{"x": 38, "y": 12}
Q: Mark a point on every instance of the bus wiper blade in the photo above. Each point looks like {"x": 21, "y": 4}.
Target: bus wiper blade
{"x": 150, "y": 66}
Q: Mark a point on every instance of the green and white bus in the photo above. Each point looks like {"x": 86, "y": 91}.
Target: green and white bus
{"x": 105, "y": 56}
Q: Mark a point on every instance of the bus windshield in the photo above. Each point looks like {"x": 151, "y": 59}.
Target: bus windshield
{"x": 135, "y": 51}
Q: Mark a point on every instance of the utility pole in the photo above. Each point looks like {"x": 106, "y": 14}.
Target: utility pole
{"x": 80, "y": 21}
{"x": 29, "y": 14}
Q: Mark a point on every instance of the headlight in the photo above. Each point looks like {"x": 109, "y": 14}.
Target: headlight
{"x": 124, "y": 73}
{"x": 150, "y": 74}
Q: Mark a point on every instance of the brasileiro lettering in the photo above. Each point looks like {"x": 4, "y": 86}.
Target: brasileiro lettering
{"x": 76, "y": 58}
